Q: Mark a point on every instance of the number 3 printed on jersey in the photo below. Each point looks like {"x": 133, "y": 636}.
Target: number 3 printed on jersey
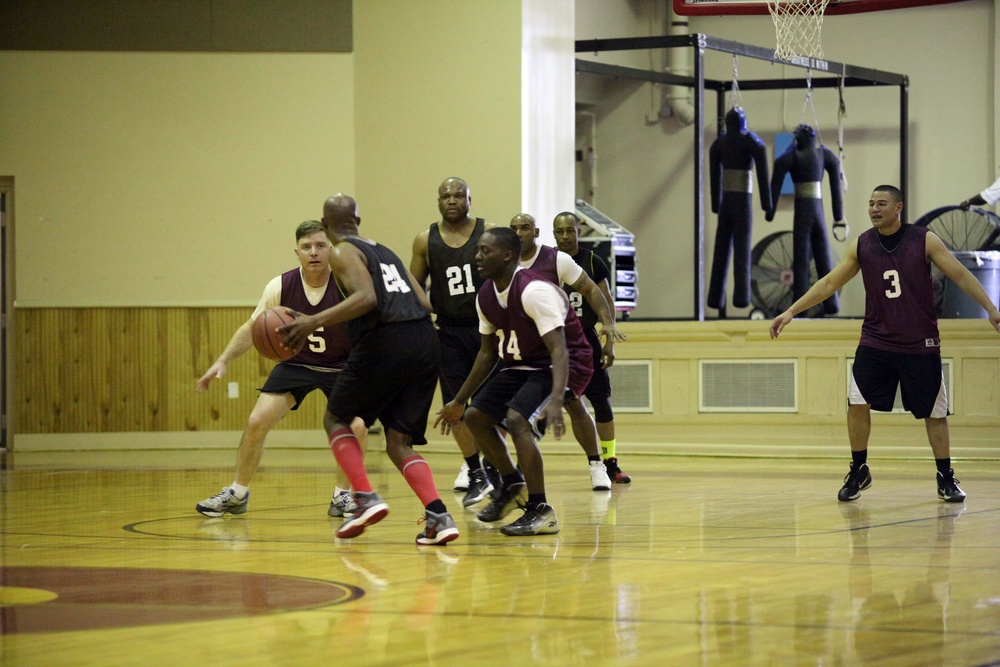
{"x": 892, "y": 275}
{"x": 393, "y": 281}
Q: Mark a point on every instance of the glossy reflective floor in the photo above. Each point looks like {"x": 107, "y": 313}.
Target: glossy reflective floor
{"x": 698, "y": 562}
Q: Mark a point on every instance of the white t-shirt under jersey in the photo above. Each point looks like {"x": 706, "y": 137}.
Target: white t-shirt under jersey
{"x": 272, "y": 294}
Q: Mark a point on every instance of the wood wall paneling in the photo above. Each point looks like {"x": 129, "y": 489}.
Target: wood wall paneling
{"x": 133, "y": 370}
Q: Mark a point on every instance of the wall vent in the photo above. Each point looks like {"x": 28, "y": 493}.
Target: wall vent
{"x": 631, "y": 385}
{"x": 897, "y": 406}
{"x": 748, "y": 385}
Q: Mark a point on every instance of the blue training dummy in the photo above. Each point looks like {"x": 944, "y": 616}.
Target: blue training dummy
{"x": 806, "y": 162}
{"x": 730, "y": 159}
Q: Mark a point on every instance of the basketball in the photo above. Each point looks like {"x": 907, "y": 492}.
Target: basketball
{"x": 266, "y": 338}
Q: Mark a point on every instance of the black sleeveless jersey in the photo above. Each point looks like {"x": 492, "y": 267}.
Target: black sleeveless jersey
{"x": 598, "y": 271}
{"x": 454, "y": 278}
{"x": 396, "y": 300}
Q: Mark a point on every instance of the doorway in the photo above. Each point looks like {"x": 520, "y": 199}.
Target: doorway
{"x": 6, "y": 319}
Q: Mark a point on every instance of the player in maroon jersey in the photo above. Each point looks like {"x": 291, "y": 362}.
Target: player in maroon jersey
{"x": 561, "y": 269}
{"x": 307, "y": 289}
{"x": 899, "y": 338}
{"x": 526, "y": 322}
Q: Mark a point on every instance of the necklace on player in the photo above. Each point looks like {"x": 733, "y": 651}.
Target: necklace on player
{"x": 901, "y": 231}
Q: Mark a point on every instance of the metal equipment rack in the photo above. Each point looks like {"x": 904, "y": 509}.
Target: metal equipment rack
{"x": 825, "y": 74}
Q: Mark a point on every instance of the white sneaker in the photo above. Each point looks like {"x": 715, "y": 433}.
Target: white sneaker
{"x": 599, "y": 476}
{"x": 462, "y": 481}
{"x": 342, "y": 504}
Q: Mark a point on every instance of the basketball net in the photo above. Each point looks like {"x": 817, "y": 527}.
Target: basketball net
{"x": 797, "y": 26}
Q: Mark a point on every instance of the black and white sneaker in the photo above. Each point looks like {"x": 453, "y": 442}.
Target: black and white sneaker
{"x": 479, "y": 486}
{"x": 857, "y": 480}
{"x": 948, "y": 489}
{"x": 510, "y": 498}
{"x": 539, "y": 520}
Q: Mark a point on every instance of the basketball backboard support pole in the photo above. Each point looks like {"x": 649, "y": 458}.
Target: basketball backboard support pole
{"x": 825, "y": 74}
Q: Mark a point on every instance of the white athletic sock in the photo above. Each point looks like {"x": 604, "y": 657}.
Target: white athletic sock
{"x": 239, "y": 490}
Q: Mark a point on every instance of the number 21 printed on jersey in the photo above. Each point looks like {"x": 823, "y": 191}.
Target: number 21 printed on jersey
{"x": 460, "y": 280}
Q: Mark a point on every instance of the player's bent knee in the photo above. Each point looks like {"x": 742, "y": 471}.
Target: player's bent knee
{"x": 477, "y": 419}
{"x": 516, "y": 423}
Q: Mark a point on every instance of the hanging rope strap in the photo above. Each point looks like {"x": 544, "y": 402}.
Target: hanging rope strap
{"x": 807, "y": 103}
{"x": 840, "y": 229}
{"x": 841, "y": 115}
{"x": 735, "y": 95}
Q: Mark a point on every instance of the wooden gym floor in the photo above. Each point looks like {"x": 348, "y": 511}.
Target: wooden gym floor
{"x": 701, "y": 561}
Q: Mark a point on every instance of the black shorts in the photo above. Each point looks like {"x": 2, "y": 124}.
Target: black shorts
{"x": 524, "y": 391}
{"x": 459, "y": 347}
{"x": 298, "y": 381}
{"x": 877, "y": 374}
{"x": 390, "y": 376}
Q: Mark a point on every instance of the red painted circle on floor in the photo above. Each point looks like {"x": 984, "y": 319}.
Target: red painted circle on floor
{"x": 99, "y": 597}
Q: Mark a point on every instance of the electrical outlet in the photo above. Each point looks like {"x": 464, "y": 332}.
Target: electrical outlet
{"x": 234, "y": 390}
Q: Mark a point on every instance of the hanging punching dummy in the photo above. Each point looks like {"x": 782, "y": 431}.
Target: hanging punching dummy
{"x": 730, "y": 159}
{"x": 806, "y": 163}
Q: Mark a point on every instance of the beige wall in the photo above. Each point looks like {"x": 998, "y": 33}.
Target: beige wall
{"x": 644, "y": 166}
{"x": 159, "y": 179}
{"x": 188, "y": 172}
{"x": 438, "y": 94}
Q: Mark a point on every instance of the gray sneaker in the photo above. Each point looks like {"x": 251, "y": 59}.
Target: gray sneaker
{"x": 223, "y": 502}
{"x": 539, "y": 520}
{"x": 371, "y": 510}
{"x": 438, "y": 528}
{"x": 342, "y": 504}
{"x": 506, "y": 501}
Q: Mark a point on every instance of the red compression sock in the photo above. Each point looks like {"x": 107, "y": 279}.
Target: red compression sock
{"x": 346, "y": 449}
{"x": 418, "y": 475}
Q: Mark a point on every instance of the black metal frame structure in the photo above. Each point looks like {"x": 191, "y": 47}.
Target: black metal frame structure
{"x": 825, "y": 74}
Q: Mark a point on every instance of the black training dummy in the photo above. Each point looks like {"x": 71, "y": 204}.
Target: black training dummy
{"x": 730, "y": 159}
{"x": 806, "y": 162}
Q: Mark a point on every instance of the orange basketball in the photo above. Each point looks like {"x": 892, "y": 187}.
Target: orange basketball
{"x": 265, "y": 334}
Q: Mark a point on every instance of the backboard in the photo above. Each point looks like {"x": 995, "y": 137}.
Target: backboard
{"x": 759, "y": 7}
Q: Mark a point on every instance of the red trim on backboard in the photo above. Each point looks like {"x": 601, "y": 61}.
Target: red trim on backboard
{"x": 753, "y": 7}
